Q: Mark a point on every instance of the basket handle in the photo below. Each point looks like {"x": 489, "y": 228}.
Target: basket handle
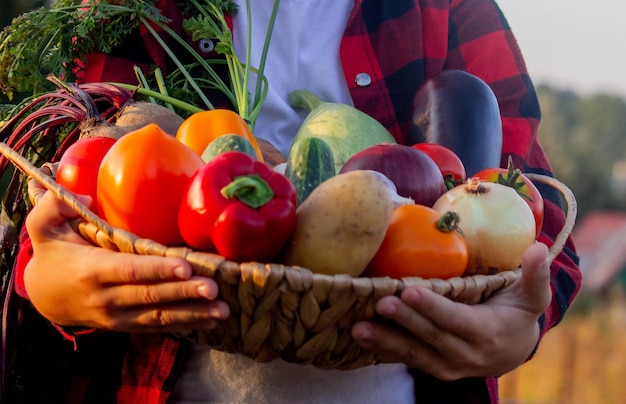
{"x": 64, "y": 195}
{"x": 572, "y": 208}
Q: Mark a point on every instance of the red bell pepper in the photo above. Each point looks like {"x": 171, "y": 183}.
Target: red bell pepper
{"x": 239, "y": 207}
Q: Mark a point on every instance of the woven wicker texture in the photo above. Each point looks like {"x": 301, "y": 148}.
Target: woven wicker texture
{"x": 286, "y": 312}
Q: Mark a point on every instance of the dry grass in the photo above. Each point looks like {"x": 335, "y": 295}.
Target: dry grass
{"x": 583, "y": 360}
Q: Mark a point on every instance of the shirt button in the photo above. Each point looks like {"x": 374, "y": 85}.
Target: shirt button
{"x": 206, "y": 45}
{"x": 363, "y": 80}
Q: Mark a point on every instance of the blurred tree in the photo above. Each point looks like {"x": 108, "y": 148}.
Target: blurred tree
{"x": 584, "y": 138}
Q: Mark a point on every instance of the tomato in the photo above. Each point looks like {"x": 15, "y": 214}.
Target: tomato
{"x": 522, "y": 184}
{"x": 201, "y": 128}
{"x": 449, "y": 163}
{"x": 420, "y": 242}
{"x": 79, "y": 164}
{"x": 141, "y": 183}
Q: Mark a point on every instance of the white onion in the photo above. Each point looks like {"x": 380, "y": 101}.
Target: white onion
{"x": 497, "y": 223}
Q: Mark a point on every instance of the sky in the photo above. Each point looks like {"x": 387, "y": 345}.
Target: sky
{"x": 572, "y": 44}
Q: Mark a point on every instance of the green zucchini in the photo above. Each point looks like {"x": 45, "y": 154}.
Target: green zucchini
{"x": 225, "y": 143}
{"x": 309, "y": 163}
{"x": 346, "y": 129}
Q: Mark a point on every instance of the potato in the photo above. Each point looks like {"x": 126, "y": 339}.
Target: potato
{"x": 341, "y": 224}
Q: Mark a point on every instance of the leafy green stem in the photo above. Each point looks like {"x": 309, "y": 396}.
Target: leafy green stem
{"x": 176, "y": 61}
{"x": 141, "y": 78}
{"x": 158, "y": 75}
{"x": 213, "y": 25}
{"x": 246, "y": 72}
{"x": 185, "y": 106}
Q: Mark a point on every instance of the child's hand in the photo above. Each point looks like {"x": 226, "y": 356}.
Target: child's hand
{"x": 75, "y": 284}
{"x": 452, "y": 340}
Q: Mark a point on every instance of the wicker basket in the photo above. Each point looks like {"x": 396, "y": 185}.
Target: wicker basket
{"x": 286, "y": 312}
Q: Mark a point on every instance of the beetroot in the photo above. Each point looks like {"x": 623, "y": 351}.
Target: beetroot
{"x": 414, "y": 173}
{"x": 137, "y": 114}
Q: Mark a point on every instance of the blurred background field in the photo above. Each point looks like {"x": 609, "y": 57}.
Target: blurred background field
{"x": 582, "y": 361}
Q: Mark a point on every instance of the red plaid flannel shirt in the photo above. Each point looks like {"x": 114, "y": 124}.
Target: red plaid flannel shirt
{"x": 399, "y": 44}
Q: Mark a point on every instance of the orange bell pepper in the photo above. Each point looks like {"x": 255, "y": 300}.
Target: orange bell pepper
{"x": 141, "y": 181}
{"x": 201, "y": 128}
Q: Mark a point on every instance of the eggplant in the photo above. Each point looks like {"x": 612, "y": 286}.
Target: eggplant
{"x": 413, "y": 172}
{"x": 458, "y": 110}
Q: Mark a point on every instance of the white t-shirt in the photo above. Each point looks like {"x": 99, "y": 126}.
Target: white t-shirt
{"x": 304, "y": 53}
{"x": 212, "y": 376}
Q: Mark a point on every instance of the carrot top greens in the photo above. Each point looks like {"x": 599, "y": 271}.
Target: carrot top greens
{"x": 69, "y": 30}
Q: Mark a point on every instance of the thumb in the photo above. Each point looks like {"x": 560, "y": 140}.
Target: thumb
{"x": 535, "y": 280}
{"x": 49, "y": 217}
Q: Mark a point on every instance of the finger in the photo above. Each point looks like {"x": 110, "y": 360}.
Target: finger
{"x": 438, "y": 321}
{"x": 49, "y": 218}
{"x": 122, "y": 268}
{"x": 182, "y": 316}
{"x": 391, "y": 345}
{"x": 58, "y": 211}
{"x": 535, "y": 280}
{"x": 159, "y": 293}
{"x": 421, "y": 316}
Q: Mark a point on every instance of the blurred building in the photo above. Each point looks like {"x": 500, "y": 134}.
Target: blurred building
{"x": 618, "y": 178}
{"x": 600, "y": 239}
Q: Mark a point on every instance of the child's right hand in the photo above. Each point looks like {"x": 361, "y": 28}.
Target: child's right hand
{"x": 73, "y": 283}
